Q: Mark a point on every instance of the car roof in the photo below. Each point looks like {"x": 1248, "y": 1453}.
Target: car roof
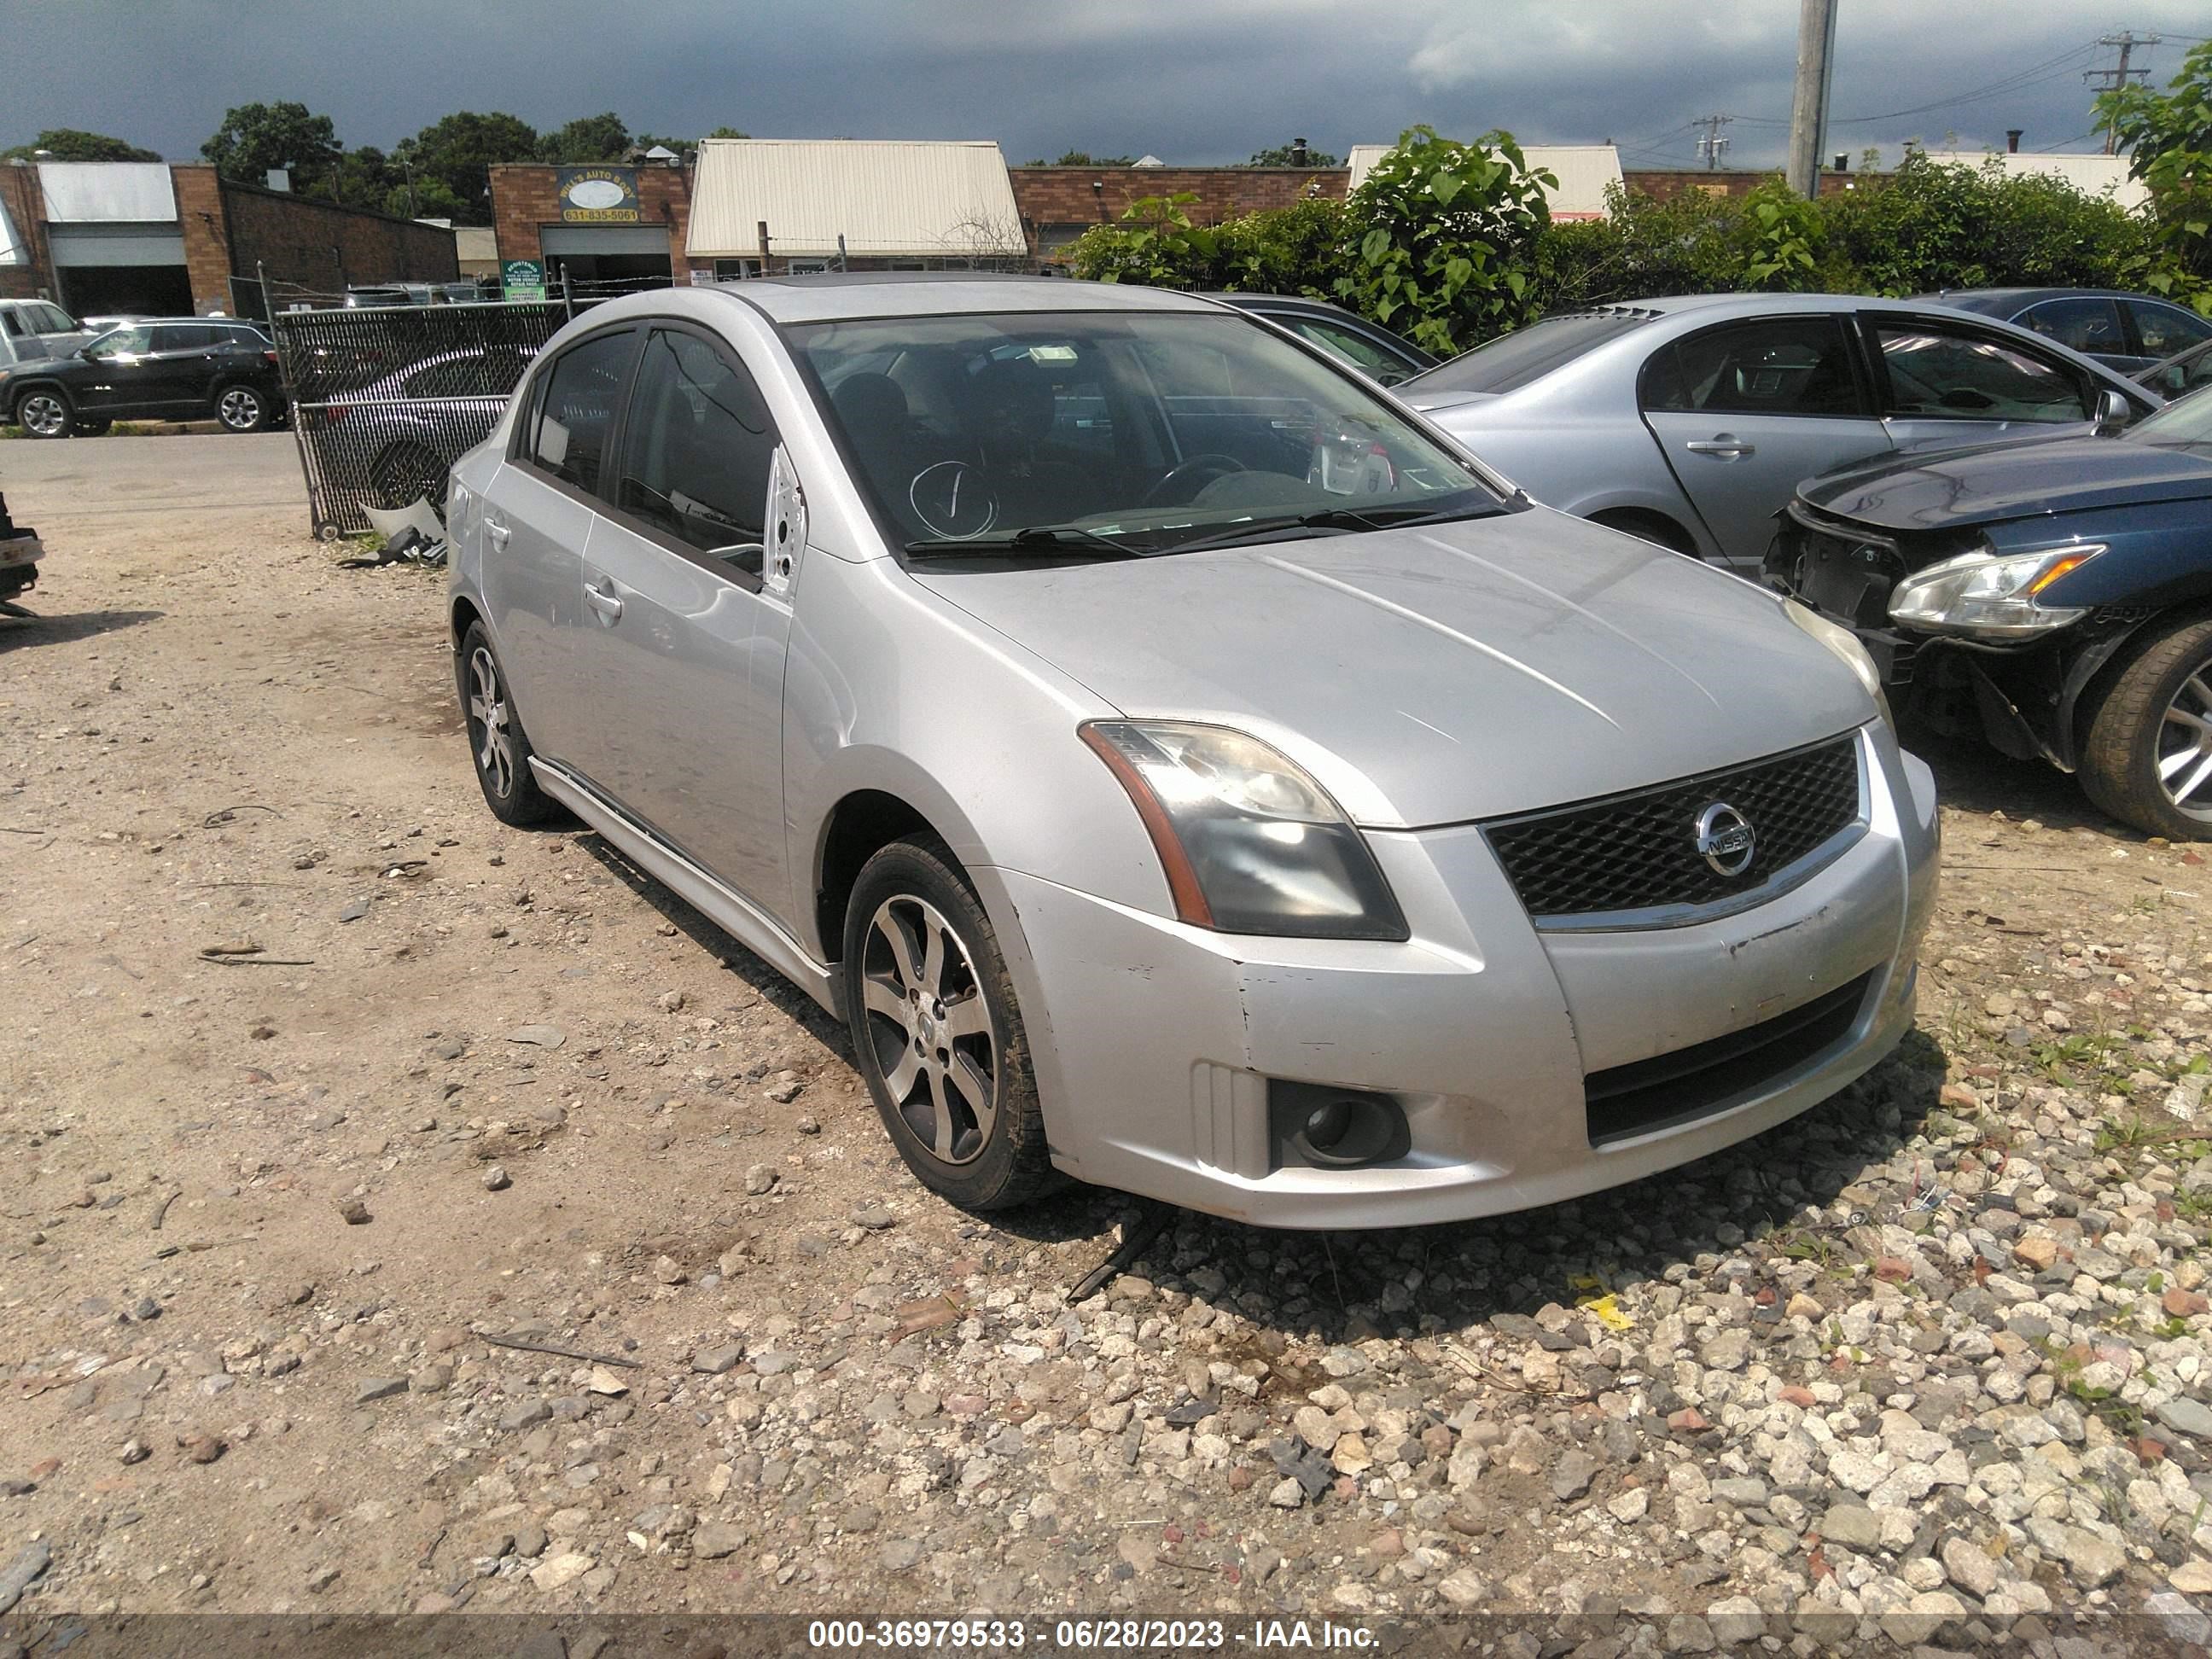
{"x": 1999, "y": 301}
{"x": 832, "y": 296}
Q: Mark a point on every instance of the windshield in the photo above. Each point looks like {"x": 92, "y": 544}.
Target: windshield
{"x": 1125, "y": 433}
{"x": 2186, "y": 420}
{"x": 1512, "y": 361}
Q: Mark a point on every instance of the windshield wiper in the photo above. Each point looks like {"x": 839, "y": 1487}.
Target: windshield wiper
{"x": 1334, "y": 518}
{"x": 1059, "y": 538}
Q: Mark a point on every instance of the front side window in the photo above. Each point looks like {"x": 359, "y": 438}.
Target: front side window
{"x": 2165, "y": 330}
{"x": 2086, "y": 324}
{"x": 576, "y": 409}
{"x": 135, "y": 341}
{"x": 1771, "y": 366}
{"x": 1937, "y": 372}
{"x": 1134, "y": 432}
{"x": 697, "y": 449}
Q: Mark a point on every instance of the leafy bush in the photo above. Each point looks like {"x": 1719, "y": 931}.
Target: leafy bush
{"x": 1442, "y": 237}
{"x": 1294, "y": 250}
{"x": 2169, "y": 136}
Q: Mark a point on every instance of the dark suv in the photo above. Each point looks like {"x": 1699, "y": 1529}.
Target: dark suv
{"x": 183, "y": 369}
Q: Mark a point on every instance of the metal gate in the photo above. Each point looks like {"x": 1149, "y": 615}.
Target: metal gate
{"x": 385, "y": 400}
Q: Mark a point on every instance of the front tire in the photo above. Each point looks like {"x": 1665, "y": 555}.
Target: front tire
{"x": 937, "y": 1032}
{"x": 497, "y": 744}
{"x": 2147, "y": 759}
{"x": 45, "y": 412}
{"x": 241, "y": 409}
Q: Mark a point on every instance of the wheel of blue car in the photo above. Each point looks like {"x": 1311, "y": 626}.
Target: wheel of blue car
{"x": 937, "y": 1030}
{"x": 45, "y": 412}
{"x": 498, "y": 746}
{"x": 241, "y": 409}
{"x": 2146, "y": 758}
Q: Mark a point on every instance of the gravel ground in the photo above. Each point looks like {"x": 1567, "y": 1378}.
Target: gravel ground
{"x": 315, "y": 1078}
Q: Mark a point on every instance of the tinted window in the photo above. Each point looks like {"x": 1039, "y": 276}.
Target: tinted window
{"x": 1361, "y": 353}
{"x": 184, "y": 337}
{"x": 697, "y": 449}
{"x": 577, "y": 406}
{"x": 11, "y": 323}
{"x": 2166, "y": 329}
{"x": 1771, "y": 366}
{"x": 52, "y": 319}
{"x": 2089, "y": 324}
{"x": 1529, "y": 354}
{"x": 1934, "y": 371}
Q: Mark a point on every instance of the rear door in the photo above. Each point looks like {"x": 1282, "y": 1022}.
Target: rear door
{"x": 1747, "y": 409}
{"x": 682, "y": 657}
{"x": 1943, "y": 382}
{"x": 537, "y": 517}
{"x": 2162, "y": 330}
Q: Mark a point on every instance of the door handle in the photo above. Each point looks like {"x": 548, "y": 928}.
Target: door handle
{"x": 603, "y": 600}
{"x": 496, "y": 530}
{"x": 1721, "y": 443}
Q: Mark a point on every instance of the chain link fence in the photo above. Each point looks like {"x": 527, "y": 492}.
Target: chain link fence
{"x": 385, "y": 400}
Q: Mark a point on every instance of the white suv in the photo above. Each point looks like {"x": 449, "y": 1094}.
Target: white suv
{"x": 31, "y": 329}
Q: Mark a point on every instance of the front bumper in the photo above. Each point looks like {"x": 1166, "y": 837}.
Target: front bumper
{"x": 1163, "y": 1038}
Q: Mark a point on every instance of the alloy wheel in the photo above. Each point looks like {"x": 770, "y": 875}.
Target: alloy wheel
{"x": 2184, "y": 745}
{"x": 934, "y": 1037}
{"x": 44, "y": 414}
{"x": 489, "y": 731}
{"x": 239, "y": 409}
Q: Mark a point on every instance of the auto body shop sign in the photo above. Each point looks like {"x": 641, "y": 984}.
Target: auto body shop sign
{"x": 598, "y": 196}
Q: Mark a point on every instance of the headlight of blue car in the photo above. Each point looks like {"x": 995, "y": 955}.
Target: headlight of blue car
{"x": 1990, "y": 595}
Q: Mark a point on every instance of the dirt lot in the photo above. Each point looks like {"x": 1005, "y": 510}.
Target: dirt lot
{"x": 1930, "y": 1358}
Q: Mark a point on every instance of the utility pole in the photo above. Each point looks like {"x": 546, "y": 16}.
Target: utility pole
{"x": 1712, "y": 144}
{"x": 2112, "y": 80}
{"x": 1808, "y": 105}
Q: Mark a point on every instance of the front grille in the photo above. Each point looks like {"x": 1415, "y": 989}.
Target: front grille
{"x": 1638, "y": 851}
{"x": 1674, "y": 1087}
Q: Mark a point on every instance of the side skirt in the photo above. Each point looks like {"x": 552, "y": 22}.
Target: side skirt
{"x": 735, "y": 914}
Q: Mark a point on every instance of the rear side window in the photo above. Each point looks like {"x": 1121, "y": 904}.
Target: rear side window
{"x": 1513, "y": 360}
{"x": 698, "y": 449}
{"x": 2166, "y": 329}
{"x": 183, "y": 337}
{"x": 52, "y": 319}
{"x": 575, "y": 411}
{"x": 1360, "y": 352}
{"x": 11, "y": 323}
{"x": 1768, "y": 366}
{"x": 2086, "y": 324}
{"x": 1935, "y": 371}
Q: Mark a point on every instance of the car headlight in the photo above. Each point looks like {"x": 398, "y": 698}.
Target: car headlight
{"x": 1847, "y": 646}
{"x": 1991, "y": 595}
{"x": 1250, "y": 842}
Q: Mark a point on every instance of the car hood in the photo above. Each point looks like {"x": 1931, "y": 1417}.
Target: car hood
{"x": 1955, "y": 488}
{"x": 1442, "y": 674}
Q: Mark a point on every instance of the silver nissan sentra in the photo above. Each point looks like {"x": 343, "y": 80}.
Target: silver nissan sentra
{"x": 1180, "y": 767}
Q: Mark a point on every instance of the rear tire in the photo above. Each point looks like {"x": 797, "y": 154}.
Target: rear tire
{"x": 242, "y": 409}
{"x": 44, "y": 411}
{"x": 937, "y": 1032}
{"x": 2147, "y": 757}
{"x": 498, "y": 747}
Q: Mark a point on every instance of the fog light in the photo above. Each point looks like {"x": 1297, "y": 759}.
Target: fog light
{"x": 1335, "y": 1129}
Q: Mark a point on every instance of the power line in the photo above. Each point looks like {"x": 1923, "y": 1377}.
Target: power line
{"x": 2112, "y": 80}
{"x": 1712, "y": 142}
{"x": 2039, "y": 75}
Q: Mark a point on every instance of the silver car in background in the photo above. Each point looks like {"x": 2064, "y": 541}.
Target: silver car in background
{"x": 1177, "y": 767}
{"x": 1691, "y": 421}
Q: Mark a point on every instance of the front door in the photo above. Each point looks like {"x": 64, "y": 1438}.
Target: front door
{"x": 131, "y": 376}
{"x": 1945, "y": 383}
{"x": 1746, "y": 410}
{"x": 682, "y": 651}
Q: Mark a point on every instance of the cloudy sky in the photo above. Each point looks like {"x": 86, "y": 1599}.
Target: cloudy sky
{"x": 1191, "y": 81}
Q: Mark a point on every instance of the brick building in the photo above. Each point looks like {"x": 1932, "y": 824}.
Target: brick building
{"x": 171, "y": 240}
{"x": 1058, "y": 204}
{"x": 608, "y": 228}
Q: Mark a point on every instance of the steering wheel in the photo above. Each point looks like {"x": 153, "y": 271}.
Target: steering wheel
{"x": 1212, "y": 466}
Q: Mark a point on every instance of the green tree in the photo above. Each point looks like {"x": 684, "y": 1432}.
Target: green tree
{"x": 1084, "y": 158}
{"x": 366, "y": 178}
{"x": 1442, "y": 237}
{"x": 69, "y": 144}
{"x": 591, "y": 138}
{"x": 255, "y": 139}
{"x": 453, "y": 158}
{"x": 728, "y": 132}
{"x": 1287, "y": 155}
{"x": 2168, "y": 136}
